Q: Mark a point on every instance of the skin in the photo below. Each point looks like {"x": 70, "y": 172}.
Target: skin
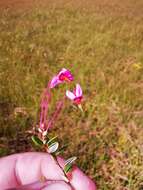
{"x": 39, "y": 171}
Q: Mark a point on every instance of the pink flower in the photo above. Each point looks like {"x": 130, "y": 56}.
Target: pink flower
{"x": 63, "y": 75}
{"x": 76, "y": 95}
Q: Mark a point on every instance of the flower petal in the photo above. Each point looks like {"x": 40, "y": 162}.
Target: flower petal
{"x": 70, "y": 95}
{"x": 78, "y": 90}
{"x": 66, "y": 74}
{"x": 62, "y": 71}
{"x": 55, "y": 81}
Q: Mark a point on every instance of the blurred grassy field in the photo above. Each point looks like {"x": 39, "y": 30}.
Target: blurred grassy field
{"x": 102, "y": 44}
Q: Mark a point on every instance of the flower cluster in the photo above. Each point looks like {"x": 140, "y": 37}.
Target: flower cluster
{"x": 41, "y": 137}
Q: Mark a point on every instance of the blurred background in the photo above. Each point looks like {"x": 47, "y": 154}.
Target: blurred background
{"x": 101, "y": 42}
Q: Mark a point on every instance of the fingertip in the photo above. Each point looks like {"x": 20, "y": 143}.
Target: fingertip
{"x": 78, "y": 179}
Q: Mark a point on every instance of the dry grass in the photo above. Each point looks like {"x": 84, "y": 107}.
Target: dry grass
{"x": 101, "y": 42}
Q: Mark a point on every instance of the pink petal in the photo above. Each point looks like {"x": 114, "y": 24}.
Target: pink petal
{"x": 66, "y": 73}
{"x": 62, "y": 71}
{"x": 54, "y": 82}
{"x": 70, "y": 95}
{"x": 78, "y": 90}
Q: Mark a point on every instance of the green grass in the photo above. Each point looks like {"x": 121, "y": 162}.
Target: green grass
{"x": 103, "y": 49}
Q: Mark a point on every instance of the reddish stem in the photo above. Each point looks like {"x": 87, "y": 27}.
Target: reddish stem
{"x": 44, "y": 107}
{"x": 55, "y": 114}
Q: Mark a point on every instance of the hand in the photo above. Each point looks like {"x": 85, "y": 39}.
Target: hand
{"x": 39, "y": 171}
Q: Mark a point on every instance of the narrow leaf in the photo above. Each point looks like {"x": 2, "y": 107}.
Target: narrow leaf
{"x": 51, "y": 141}
{"x": 70, "y": 160}
{"x": 37, "y": 141}
{"x": 53, "y": 147}
{"x": 68, "y": 168}
{"x": 68, "y": 164}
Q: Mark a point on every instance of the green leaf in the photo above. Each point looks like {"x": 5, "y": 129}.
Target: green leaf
{"x": 51, "y": 141}
{"x": 68, "y": 164}
{"x": 37, "y": 141}
{"x": 70, "y": 160}
{"x": 68, "y": 168}
{"x": 53, "y": 147}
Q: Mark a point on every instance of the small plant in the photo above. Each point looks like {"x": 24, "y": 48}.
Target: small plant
{"x": 41, "y": 136}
